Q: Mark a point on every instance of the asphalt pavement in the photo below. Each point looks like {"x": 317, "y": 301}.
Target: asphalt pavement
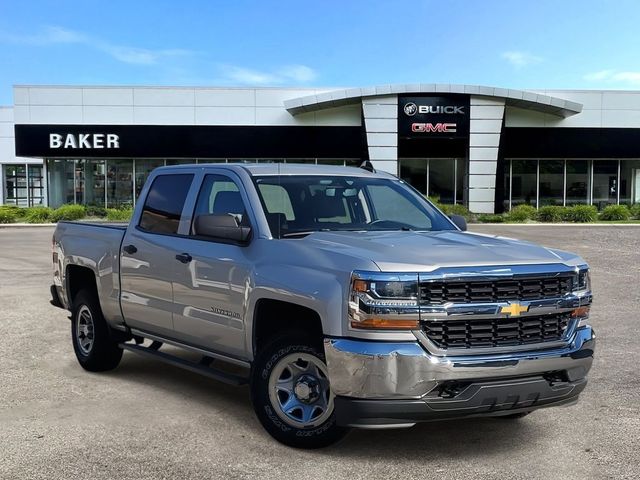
{"x": 146, "y": 420}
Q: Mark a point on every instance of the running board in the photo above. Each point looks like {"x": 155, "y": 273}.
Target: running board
{"x": 202, "y": 367}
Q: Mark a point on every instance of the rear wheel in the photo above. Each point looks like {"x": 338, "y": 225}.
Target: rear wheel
{"x": 95, "y": 350}
{"x": 291, "y": 393}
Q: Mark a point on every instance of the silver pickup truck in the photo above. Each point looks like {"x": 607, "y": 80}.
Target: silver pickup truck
{"x": 340, "y": 295}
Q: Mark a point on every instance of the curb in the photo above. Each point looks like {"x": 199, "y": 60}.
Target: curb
{"x": 53, "y": 224}
{"x": 26, "y": 225}
{"x": 559, "y": 224}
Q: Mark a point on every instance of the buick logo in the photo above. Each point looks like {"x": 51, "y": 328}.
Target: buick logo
{"x": 410, "y": 109}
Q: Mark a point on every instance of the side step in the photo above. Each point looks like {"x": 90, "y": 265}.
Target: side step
{"x": 202, "y": 367}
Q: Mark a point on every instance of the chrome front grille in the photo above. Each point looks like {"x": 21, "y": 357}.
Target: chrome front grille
{"x": 439, "y": 292}
{"x": 497, "y": 332}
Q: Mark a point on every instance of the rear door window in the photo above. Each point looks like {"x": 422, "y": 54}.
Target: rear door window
{"x": 164, "y": 203}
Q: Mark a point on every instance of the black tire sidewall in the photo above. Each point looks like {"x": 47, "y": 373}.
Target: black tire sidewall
{"x": 321, "y": 436}
{"x": 105, "y": 353}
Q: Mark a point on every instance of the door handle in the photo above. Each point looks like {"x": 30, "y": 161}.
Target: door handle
{"x": 184, "y": 257}
{"x": 130, "y": 249}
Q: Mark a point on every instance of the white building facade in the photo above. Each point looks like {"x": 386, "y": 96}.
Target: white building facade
{"x": 22, "y": 178}
{"x": 485, "y": 147}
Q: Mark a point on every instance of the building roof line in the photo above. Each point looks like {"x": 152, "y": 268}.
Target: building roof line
{"x": 517, "y": 98}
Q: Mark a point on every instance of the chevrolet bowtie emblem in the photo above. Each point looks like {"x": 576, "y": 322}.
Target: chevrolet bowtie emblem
{"x": 514, "y": 309}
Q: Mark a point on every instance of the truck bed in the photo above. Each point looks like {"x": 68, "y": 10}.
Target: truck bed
{"x": 95, "y": 246}
{"x": 116, "y": 225}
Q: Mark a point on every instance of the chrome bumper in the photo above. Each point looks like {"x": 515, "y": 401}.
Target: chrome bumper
{"x": 397, "y": 371}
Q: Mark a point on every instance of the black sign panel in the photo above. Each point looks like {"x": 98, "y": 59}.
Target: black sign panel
{"x": 442, "y": 116}
{"x": 186, "y": 141}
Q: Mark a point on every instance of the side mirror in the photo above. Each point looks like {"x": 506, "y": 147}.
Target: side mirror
{"x": 459, "y": 222}
{"x": 224, "y": 227}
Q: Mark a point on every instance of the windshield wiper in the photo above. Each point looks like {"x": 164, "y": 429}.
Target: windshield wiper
{"x": 303, "y": 232}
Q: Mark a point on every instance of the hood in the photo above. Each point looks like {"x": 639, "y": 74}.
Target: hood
{"x": 425, "y": 251}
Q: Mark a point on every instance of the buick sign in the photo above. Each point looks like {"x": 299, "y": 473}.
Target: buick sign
{"x": 433, "y": 116}
{"x": 449, "y": 109}
{"x": 410, "y": 109}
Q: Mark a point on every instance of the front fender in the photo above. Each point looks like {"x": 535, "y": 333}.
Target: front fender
{"x": 321, "y": 291}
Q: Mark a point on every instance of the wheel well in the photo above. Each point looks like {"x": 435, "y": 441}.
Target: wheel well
{"x": 275, "y": 316}
{"x": 79, "y": 278}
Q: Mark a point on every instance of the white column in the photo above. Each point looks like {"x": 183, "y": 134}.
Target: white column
{"x": 484, "y": 139}
{"x": 381, "y": 125}
{"x": 45, "y": 183}
{"x": 2, "y": 184}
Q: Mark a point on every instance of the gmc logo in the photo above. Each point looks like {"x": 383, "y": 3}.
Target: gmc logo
{"x": 434, "y": 127}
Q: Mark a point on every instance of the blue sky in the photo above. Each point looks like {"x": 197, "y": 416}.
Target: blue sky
{"x": 519, "y": 44}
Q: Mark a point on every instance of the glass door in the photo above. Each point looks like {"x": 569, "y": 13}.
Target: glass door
{"x": 442, "y": 179}
{"x": 119, "y": 183}
{"x": 438, "y": 178}
{"x": 61, "y": 182}
{"x": 605, "y": 182}
{"x": 144, "y": 167}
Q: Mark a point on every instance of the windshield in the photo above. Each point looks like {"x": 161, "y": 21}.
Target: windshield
{"x": 296, "y": 205}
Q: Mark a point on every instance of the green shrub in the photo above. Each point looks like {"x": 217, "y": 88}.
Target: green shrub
{"x": 435, "y": 199}
{"x": 7, "y": 215}
{"x": 119, "y": 215}
{"x": 68, "y": 212}
{"x": 490, "y": 218}
{"x": 456, "y": 209}
{"x": 521, "y": 213}
{"x": 550, "y": 214}
{"x": 635, "y": 210}
{"x": 16, "y": 211}
{"x": 615, "y": 212}
{"x": 38, "y": 215}
{"x": 580, "y": 214}
{"x": 96, "y": 211}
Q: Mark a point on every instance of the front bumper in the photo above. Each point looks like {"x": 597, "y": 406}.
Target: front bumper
{"x": 56, "y": 301}
{"x": 383, "y": 383}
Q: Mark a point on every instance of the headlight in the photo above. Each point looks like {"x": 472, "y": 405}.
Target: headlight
{"x": 384, "y": 301}
{"x": 582, "y": 286}
{"x": 583, "y": 282}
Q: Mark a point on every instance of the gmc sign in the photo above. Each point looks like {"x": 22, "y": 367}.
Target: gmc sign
{"x": 428, "y": 116}
{"x": 434, "y": 127}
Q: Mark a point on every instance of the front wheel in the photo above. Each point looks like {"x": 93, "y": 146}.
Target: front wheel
{"x": 291, "y": 393}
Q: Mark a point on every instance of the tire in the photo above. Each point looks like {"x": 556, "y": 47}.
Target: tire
{"x": 95, "y": 350}
{"x": 290, "y": 375}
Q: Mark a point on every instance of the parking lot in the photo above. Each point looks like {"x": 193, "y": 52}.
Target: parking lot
{"x": 149, "y": 420}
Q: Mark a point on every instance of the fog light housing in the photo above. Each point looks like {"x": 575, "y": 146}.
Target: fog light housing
{"x": 581, "y": 313}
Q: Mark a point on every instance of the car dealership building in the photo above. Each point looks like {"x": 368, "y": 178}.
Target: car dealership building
{"x": 487, "y": 148}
